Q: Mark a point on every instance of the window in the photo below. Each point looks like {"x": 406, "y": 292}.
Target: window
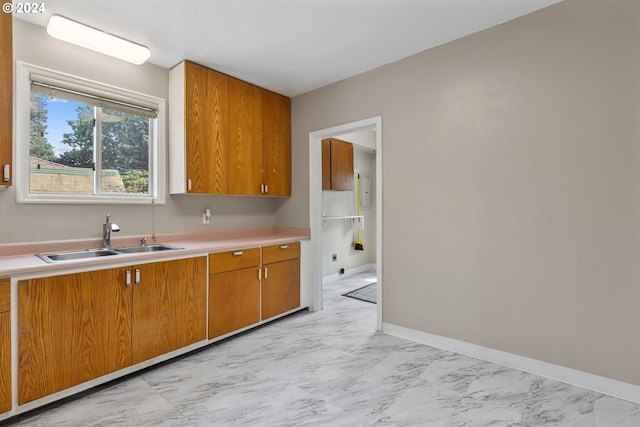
{"x": 88, "y": 143}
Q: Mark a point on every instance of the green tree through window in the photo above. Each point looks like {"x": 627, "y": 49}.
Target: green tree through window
{"x": 80, "y": 139}
{"x": 121, "y": 137}
{"x": 38, "y": 145}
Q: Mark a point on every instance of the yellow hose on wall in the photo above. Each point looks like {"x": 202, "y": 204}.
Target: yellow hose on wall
{"x": 358, "y": 246}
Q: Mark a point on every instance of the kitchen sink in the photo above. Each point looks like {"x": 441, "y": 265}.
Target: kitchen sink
{"x": 100, "y": 252}
{"x": 144, "y": 248}
{"x": 75, "y": 255}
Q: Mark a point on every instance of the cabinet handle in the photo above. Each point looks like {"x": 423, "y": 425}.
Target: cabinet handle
{"x": 137, "y": 276}
{"x": 238, "y": 253}
{"x": 188, "y": 184}
{"x": 266, "y": 272}
{"x": 127, "y": 278}
{"x": 6, "y": 173}
{"x": 266, "y": 189}
{"x": 259, "y": 274}
{"x": 261, "y": 188}
{"x": 283, "y": 247}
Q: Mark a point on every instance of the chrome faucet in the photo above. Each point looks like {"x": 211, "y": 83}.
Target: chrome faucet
{"x": 107, "y": 228}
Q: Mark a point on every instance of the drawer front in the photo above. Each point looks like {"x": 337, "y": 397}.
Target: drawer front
{"x": 282, "y": 252}
{"x": 234, "y": 260}
{"x": 5, "y": 295}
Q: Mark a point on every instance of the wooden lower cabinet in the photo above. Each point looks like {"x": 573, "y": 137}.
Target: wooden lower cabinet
{"x": 234, "y": 300}
{"x": 280, "y": 287}
{"x": 280, "y": 279}
{"x": 76, "y": 327}
{"x": 234, "y": 290}
{"x": 169, "y": 306}
{"x": 71, "y": 328}
{"x": 5, "y": 346}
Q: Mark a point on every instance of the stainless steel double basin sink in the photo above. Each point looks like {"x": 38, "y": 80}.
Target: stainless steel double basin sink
{"x": 101, "y": 252}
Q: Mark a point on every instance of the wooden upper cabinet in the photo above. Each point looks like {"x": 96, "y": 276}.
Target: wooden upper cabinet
{"x": 337, "y": 165}
{"x": 245, "y": 138}
{"x": 206, "y": 129}
{"x": 6, "y": 99}
{"x": 276, "y": 143}
{"x": 326, "y": 164}
{"x": 227, "y": 136}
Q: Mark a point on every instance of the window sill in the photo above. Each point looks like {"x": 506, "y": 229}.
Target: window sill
{"x": 91, "y": 200}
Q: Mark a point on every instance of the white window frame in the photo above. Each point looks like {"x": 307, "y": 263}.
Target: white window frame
{"x": 157, "y": 142}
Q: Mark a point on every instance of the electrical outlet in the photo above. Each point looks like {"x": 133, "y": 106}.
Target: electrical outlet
{"x": 334, "y": 257}
{"x": 206, "y": 216}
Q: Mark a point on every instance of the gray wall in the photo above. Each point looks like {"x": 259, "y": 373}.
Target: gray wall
{"x": 511, "y": 184}
{"x": 28, "y": 222}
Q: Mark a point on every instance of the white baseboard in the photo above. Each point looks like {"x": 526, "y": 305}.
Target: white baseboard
{"x": 574, "y": 377}
{"x": 350, "y": 272}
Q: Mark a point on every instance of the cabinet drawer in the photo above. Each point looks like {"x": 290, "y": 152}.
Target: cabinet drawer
{"x": 234, "y": 260}
{"x": 283, "y": 252}
{"x": 5, "y": 295}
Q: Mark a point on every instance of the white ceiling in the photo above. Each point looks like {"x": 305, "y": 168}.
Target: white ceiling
{"x": 288, "y": 46}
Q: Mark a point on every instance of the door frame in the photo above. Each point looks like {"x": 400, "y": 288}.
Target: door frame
{"x": 315, "y": 204}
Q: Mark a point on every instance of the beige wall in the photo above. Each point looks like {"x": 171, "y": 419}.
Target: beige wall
{"x": 29, "y": 222}
{"x": 521, "y": 229}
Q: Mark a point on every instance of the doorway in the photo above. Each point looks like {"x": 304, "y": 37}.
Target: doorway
{"x": 315, "y": 183}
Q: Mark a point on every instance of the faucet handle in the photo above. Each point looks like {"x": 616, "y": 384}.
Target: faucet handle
{"x": 143, "y": 241}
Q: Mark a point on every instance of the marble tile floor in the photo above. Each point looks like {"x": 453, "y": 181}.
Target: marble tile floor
{"x": 331, "y": 368}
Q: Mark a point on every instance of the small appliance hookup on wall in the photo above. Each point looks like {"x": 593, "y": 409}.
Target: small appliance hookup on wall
{"x": 206, "y": 216}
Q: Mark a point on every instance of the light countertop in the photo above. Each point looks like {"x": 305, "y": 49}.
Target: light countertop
{"x": 20, "y": 259}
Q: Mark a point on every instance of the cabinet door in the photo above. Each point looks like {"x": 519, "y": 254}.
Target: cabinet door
{"x": 245, "y": 138}
{"x": 326, "y": 164}
{"x": 5, "y": 346}
{"x": 206, "y": 129}
{"x": 5, "y": 362}
{"x": 6, "y": 97}
{"x": 280, "y": 287}
{"x": 341, "y": 165}
{"x": 337, "y": 165}
{"x": 169, "y": 306}
{"x": 234, "y": 300}
{"x": 71, "y": 329}
{"x": 276, "y": 143}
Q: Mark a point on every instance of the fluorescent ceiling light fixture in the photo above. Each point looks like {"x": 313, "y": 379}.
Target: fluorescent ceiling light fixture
{"x": 99, "y": 41}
